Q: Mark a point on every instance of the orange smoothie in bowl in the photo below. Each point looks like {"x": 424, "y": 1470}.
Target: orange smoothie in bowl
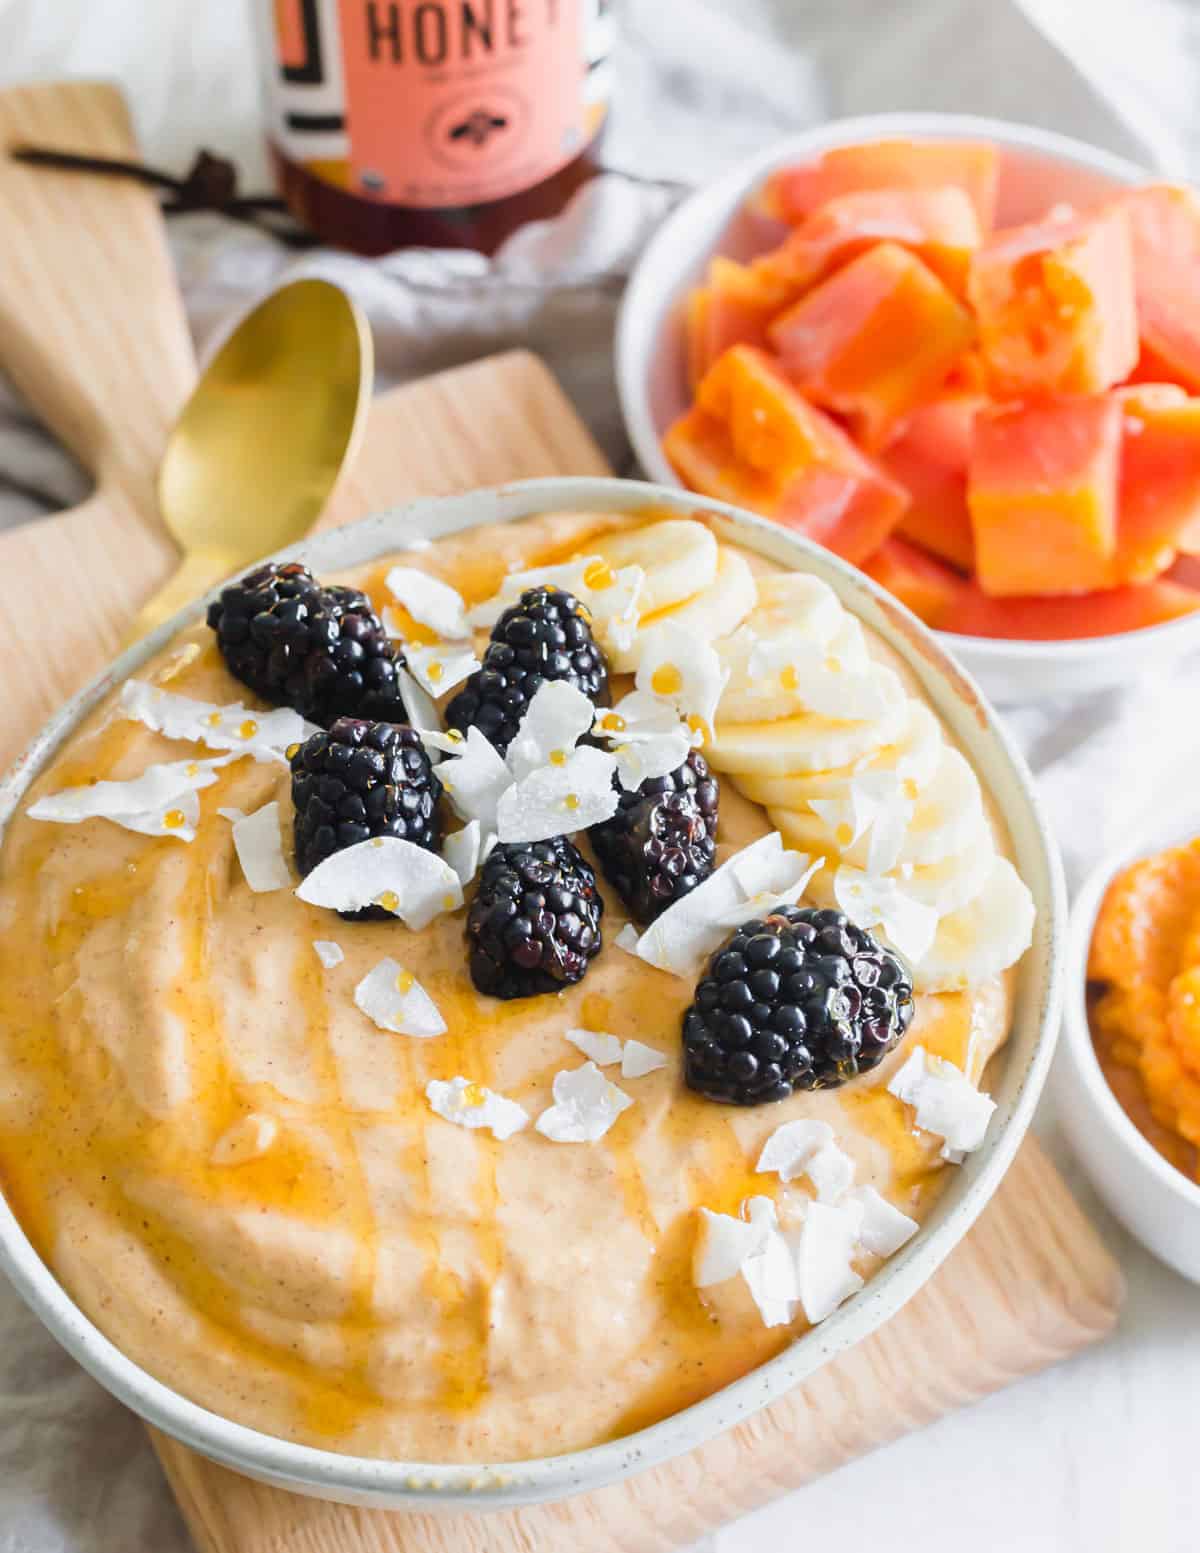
{"x": 301, "y": 1168}
{"x": 1144, "y": 999}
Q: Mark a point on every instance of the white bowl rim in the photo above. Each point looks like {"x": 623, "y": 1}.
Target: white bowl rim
{"x": 332, "y": 1474}
{"x": 1078, "y": 1033}
{"x": 738, "y": 180}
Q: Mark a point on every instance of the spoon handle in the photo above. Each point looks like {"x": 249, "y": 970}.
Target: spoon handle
{"x": 194, "y": 576}
{"x": 92, "y": 327}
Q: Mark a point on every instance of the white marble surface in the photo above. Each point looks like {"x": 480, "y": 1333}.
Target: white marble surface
{"x": 1097, "y": 1456}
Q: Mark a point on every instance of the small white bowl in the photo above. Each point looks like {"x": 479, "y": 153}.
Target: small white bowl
{"x": 1156, "y": 1202}
{"x": 1038, "y": 169}
{"x": 1015, "y": 1082}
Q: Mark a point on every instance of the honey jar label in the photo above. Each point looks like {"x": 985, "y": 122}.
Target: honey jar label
{"x": 436, "y": 103}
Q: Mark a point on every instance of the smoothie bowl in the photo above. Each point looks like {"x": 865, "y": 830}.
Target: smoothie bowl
{"x": 466, "y": 1044}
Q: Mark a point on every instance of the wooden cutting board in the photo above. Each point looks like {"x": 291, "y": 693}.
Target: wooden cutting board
{"x": 92, "y": 330}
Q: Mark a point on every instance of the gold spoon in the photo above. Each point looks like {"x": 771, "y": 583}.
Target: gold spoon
{"x": 261, "y": 441}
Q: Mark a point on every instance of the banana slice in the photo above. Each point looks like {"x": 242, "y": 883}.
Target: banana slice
{"x": 983, "y": 938}
{"x": 913, "y": 757}
{"x": 947, "y": 813}
{"x": 808, "y": 742}
{"x": 954, "y": 881}
{"x": 678, "y": 556}
{"x": 794, "y": 601}
{"x": 803, "y": 831}
{"x": 707, "y": 615}
{"x": 784, "y": 671}
{"x": 947, "y": 885}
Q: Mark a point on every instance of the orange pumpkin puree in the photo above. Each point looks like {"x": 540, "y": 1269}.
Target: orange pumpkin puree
{"x": 1144, "y": 968}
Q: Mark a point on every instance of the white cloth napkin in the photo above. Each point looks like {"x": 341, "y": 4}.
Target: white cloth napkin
{"x": 701, "y": 83}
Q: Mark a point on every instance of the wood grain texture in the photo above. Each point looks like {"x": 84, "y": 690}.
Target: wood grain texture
{"x": 93, "y": 334}
{"x": 105, "y": 359}
{"x": 91, "y": 321}
{"x": 1030, "y": 1285}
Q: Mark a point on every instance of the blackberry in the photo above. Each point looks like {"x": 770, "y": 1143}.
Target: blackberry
{"x": 320, "y": 650}
{"x": 535, "y": 921}
{"x": 800, "y": 1000}
{"x": 662, "y": 840}
{"x": 544, "y": 635}
{"x": 359, "y": 780}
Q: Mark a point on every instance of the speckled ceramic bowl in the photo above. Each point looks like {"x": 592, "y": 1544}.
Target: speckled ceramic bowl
{"x": 1015, "y": 1082}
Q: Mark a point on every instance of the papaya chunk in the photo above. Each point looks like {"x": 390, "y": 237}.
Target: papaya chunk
{"x": 940, "y": 226}
{"x": 929, "y": 459}
{"x": 792, "y": 193}
{"x": 873, "y": 340}
{"x": 1164, "y": 229}
{"x": 741, "y": 304}
{"x": 753, "y": 440}
{"x": 1042, "y": 493}
{"x": 1159, "y": 491}
{"x": 695, "y": 334}
{"x": 1055, "y": 305}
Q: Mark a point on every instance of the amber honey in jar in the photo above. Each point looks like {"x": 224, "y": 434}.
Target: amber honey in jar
{"x": 446, "y": 123}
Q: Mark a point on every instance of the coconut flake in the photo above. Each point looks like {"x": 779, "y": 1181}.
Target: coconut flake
{"x": 329, "y": 953}
{"x": 260, "y": 850}
{"x": 554, "y": 722}
{"x": 879, "y": 901}
{"x": 464, "y": 850}
{"x": 639, "y": 715}
{"x": 644, "y": 760}
{"x": 627, "y": 938}
{"x": 411, "y": 883}
{"x": 449, "y": 743}
{"x": 682, "y": 937}
{"x": 807, "y": 1148}
{"x": 723, "y": 1244}
{"x": 475, "y": 1106}
{"x": 554, "y": 800}
{"x": 396, "y": 1001}
{"x": 585, "y": 1106}
{"x": 160, "y": 802}
{"x": 884, "y": 1228}
{"x": 770, "y": 1272}
{"x": 683, "y": 671}
{"x": 430, "y": 601}
{"x": 945, "y": 1102}
{"x": 603, "y": 1049}
{"x": 439, "y": 669}
{"x": 476, "y": 778}
{"x": 422, "y": 711}
{"x": 248, "y": 1138}
{"x": 823, "y": 1250}
{"x": 752, "y": 1246}
{"x": 646, "y": 736}
{"x": 638, "y": 1059}
{"x": 263, "y": 735}
{"x": 873, "y": 802}
{"x": 820, "y": 680}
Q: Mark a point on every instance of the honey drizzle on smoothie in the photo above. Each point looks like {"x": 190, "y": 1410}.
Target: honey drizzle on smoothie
{"x": 463, "y": 1305}
{"x": 336, "y": 1408}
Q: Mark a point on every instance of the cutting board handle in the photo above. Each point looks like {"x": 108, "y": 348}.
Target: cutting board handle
{"x": 92, "y": 327}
